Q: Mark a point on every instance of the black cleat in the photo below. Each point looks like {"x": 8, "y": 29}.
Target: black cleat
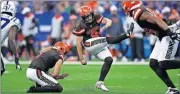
{"x": 30, "y": 90}
{"x": 130, "y": 31}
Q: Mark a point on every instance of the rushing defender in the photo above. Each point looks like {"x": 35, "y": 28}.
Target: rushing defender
{"x": 165, "y": 48}
{"x": 88, "y": 34}
{"x": 38, "y": 70}
{"x": 10, "y": 25}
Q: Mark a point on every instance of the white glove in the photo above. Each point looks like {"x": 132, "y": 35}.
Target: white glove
{"x": 173, "y": 28}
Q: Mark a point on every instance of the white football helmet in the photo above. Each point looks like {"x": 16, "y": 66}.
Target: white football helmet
{"x": 8, "y": 7}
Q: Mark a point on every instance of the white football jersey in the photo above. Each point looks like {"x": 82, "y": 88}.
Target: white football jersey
{"x": 6, "y": 23}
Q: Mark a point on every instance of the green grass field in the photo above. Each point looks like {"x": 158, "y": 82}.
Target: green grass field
{"x": 122, "y": 79}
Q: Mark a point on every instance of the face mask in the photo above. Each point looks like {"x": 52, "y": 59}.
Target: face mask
{"x": 88, "y": 18}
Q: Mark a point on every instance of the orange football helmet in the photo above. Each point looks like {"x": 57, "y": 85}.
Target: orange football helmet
{"x": 87, "y": 14}
{"x": 85, "y": 10}
{"x": 130, "y": 5}
{"x": 62, "y": 47}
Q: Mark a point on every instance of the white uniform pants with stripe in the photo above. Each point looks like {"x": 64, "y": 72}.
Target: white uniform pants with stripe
{"x": 99, "y": 49}
{"x": 40, "y": 77}
{"x": 164, "y": 49}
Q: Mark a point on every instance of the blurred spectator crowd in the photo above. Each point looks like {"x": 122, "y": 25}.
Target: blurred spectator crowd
{"x": 34, "y": 36}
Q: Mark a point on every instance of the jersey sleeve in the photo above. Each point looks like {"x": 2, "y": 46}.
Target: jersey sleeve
{"x": 78, "y": 29}
{"x": 137, "y": 13}
{"x": 59, "y": 56}
{"x": 98, "y": 18}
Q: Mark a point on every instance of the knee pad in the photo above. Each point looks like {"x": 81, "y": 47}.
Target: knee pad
{"x": 108, "y": 60}
{"x": 153, "y": 63}
{"x": 58, "y": 87}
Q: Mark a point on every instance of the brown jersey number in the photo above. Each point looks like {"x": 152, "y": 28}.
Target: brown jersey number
{"x": 94, "y": 34}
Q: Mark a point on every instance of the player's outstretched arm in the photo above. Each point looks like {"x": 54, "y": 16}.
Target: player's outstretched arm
{"x": 79, "y": 49}
{"x": 57, "y": 69}
{"x": 107, "y": 22}
{"x": 12, "y": 45}
{"x": 154, "y": 19}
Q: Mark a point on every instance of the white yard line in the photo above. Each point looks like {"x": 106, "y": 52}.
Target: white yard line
{"x": 91, "y": 63}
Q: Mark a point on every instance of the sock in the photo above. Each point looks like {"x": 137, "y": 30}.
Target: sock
{"x": 105, "y": 68}
{"x": 115, "y": 40}
{"x": 161, "y": 73}
{"x": 170, "y": 64}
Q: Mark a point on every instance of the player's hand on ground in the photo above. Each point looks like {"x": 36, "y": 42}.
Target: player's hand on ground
{"x": 83, "y": 62}
{"x": 130, "y": 31}
{"x": 62, "y": 76}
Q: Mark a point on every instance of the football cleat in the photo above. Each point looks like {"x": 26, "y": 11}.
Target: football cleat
{"x": 172, "y": 91}
{"x": 129, "y": 32}
{"x": 100, "y": 85}
{"x": 30, "y": 90}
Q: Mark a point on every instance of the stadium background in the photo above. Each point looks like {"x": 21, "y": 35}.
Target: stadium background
{"x": 122, "y": 79}
{"x": 45, "y": 10}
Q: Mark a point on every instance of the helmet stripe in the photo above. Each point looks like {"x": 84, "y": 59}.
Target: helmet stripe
{"x": 136, "y": 13}
{"x": 7, "y": 5}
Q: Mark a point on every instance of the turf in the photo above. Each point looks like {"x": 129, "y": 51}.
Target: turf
{"x": 122, "y": 79}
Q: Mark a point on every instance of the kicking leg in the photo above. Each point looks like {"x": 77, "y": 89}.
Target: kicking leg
{"x": 118, "y": 39}
{"x": 115, "y": 40}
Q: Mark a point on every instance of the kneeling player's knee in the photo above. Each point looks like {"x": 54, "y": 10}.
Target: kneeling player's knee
{"x": 108, "y": 60}
{"x": 58, "y": 87}
{"x": 153, "y": 63}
